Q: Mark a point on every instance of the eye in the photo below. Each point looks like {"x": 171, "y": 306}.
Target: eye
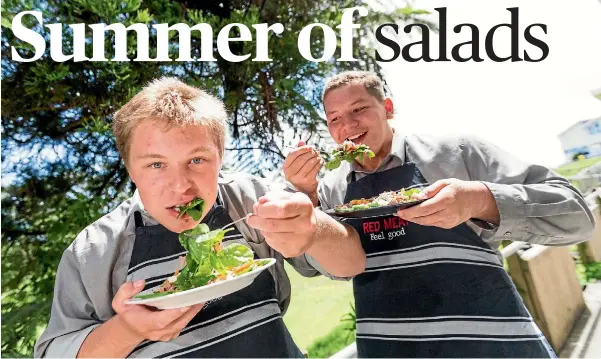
{"x": 334, "y": 119}
{"x": 197, "y": 161}
{"x": 357, "y": 110}
{"x": 156, "y": 165}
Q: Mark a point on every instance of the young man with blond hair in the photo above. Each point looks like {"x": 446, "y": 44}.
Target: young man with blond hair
{"x": 171, "y": 137}
{"x": 434, "y": 284}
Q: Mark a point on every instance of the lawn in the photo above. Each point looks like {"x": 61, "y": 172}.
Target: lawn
{"x": 316, "y": 306}
{"x": 573, "y": 168}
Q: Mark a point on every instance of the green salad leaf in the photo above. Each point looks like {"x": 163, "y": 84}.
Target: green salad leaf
{"x": 348, "y": 151}
{"x": 207, "y": 261}
{"x": 194, "y": 209}
{"x": 235, "y": 255}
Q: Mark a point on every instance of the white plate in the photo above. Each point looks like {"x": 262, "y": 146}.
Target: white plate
{"x": 204, "y": 293}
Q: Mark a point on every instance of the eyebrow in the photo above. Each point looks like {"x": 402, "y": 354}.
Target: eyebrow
{"x": 200, "y": 149}
{"x": 158, "y": 156}
{"x": 354, "y": 103}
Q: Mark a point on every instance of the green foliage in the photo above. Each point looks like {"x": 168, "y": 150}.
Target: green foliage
{"x": 588, "y": 272}
{"x": 592, "y": 271}
{"x": 60, "y": 168}
{"x": 341, "y": 336}
{"x": 573, "y": 168}
{"x": 332, "y": 343}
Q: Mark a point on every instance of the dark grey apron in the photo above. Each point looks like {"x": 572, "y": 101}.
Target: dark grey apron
{"x": 432, "y": 292}
{"x": 246, "y": 323}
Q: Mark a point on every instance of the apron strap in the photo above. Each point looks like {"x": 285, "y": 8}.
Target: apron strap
{"x": 353, "y": 176}
{"x": 138, "y": 219}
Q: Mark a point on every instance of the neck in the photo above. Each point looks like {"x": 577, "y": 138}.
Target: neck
{"x": 371, "y": 164}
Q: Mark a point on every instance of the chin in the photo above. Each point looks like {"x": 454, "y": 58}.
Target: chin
{"x": 179, "y": 225}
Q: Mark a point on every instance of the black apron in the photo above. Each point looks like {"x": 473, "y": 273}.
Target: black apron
{"x": 246, "y": 323}
{"x": 433, "y": 292}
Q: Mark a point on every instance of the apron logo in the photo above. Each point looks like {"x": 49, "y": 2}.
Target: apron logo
{"x": 385, "y": 228}
{"x": 211, "y": 302}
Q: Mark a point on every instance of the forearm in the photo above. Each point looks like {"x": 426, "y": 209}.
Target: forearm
{"x": 110, "y": 340}
{"x": 314, "y": 198}
{"x": 337, "y": 247}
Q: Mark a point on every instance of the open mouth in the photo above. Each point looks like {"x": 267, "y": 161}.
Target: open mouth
{"x": 175, "y": 210}
{"x": 357, "y": 138}
{"x": 191, "y": 209}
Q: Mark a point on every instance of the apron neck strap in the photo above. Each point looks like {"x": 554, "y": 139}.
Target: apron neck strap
{"x": 353, "y": 176}
{"x": 138, "y": 219}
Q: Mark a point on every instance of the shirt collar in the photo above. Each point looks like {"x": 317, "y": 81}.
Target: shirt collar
{"x": 397, "y": 153}
{"x": 138, "y": 205}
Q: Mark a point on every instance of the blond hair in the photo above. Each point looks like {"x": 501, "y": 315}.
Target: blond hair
{"x": 367, "y": 79}
{"x": 171, "y": 100}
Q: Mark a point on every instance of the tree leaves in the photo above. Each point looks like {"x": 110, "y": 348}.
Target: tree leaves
{"x": 60, "y": 168}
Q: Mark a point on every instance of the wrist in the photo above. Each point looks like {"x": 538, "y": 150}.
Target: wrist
{"x": 316, "y": 236}
{"x": 314, "y": 198}
{"x": 488, "y": 210}
{"x": 128, "y": 335}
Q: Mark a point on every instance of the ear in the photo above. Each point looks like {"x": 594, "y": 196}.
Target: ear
{"x": 389, "y": 107}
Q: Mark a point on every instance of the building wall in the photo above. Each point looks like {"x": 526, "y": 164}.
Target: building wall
{"x": 584, "y": 137}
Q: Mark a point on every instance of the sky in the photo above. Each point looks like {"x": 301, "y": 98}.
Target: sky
{"x": 521, "y": 107}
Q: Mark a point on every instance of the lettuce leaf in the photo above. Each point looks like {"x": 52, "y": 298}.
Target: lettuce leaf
{"x": 205, "y": 261}
{"x": 338, "y": 156}
{"x": 194, "y": 209}
{"x": 235, "y": 255}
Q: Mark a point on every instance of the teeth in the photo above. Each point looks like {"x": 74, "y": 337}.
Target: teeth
{"x": 356, "y": 136}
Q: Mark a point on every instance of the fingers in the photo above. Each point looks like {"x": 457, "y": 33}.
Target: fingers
{"x": 442, "y": 219}
{"x": 435, "y": 187}
{"x": 311, "y": 166}
{"x": 180, "y": 323}
{"x": 273, "y": 225}
{"x": 125, "y": 292}
{"x": 163, "y": 318}
{"x": 308, "y": 158}
{"x": 297, "y": 158}
{"x": 164, "y": 325}
{"x": 316, "y": 168}
{"x": 426, "y": 208}
{"x": 282, "y": 205}
{"x": 428, "y": 219}
{"x": 286, "y": 244}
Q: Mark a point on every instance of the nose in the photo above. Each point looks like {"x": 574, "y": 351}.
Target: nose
{"x": 181, "y": 180}
{"x": 349, "y": 123}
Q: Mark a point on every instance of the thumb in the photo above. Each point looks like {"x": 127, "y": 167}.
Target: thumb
{"x": 300, "y": 143}
{"x": 434, "y": 188}
{"x": 126, "y": 291}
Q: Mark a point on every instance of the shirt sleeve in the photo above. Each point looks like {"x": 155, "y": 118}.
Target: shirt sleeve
{"x": 536, "y": 205}
{"x": 72, "y": 313}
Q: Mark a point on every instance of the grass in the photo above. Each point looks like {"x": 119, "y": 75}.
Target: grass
{"x": 316, "y": 307}
{"x": 573, "y": 168}
{"x": 332, "y": 343}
